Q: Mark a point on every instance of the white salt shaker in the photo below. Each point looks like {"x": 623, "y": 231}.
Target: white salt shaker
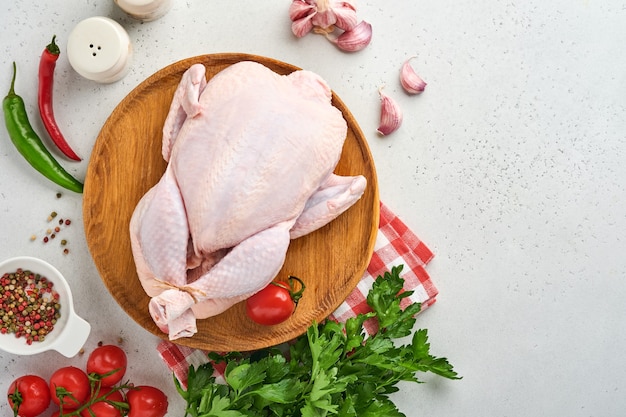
{"x": 99, "y": 49}
{"x": 145, "y": 10}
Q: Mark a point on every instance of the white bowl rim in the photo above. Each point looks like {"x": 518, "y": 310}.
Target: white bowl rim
{"x": 70, "y": 332}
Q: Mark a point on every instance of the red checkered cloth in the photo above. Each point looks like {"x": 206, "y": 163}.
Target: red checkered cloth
{"x": 395, "y": 245}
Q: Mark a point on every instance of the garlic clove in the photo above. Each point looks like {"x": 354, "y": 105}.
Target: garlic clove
{"x": 325, "y": 16}
{"x": 390, "y": 114}
{"x": 355, "y": 39}
{"x": 302, "y": 26}
{"x": 301, "y": 13}
{"x": 324, "y": 19}
{"x": 410, "y": 81}
{"x": 345, "y": 16}
{"x": 299, "y": 9}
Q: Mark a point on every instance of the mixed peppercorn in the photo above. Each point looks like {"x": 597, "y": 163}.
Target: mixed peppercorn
{"x": 52, "y": 233}
{"x": 29, "y": 305}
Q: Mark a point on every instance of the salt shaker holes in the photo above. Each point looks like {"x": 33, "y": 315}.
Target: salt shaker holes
{"x": 94, "y": 53}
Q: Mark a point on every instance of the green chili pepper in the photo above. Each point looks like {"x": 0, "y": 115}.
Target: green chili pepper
{"x": 30, "y": 145}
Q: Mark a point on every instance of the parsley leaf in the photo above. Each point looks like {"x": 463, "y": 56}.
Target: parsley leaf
{"x": 335, "y": 369}
{"x": 242, "y": 376}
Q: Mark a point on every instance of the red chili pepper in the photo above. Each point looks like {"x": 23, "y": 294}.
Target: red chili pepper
{"x": 46, "y": 82}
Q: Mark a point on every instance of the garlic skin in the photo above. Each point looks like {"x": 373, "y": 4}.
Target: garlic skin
{"x": 390, "y": 114}
{"x": 299, "y": 9}
{"x": 355, "y": 39}
{"x": 410, "y": 81}
{"x": 345, "y": 15}
{"x": 302, "y": 26}
{"x": 324, "y": 14}
{"x": 301, "y": 13}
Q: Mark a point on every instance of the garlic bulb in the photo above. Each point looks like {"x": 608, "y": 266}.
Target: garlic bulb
{"x": 390, "y": 114}
{"x": 335, "y": 19}
{"x": 325, "y": 14}
{"x": 411, "y": 82}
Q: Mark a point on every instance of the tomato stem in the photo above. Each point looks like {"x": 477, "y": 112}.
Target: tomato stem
{"x": 295, "y": 295}
{"x": 16, "y": 398}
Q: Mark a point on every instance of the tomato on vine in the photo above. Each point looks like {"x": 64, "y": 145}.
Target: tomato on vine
{"x": 108, "y": 363}
{"x": 276, "y": 302}
{"x": 28, "y": 396}
{"x": 69, "y": 386}
{"x": 110, "y": 406}
{"x": 146, "y": 401}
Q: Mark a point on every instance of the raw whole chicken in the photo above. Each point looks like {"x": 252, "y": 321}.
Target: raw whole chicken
{"x": 250, "y": 159}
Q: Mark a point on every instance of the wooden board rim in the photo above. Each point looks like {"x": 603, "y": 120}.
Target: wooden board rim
{"x": 106, "y": 206}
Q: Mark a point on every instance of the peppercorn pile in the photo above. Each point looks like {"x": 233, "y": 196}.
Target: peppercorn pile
{"x": 29, "y": 305}
{"x": 52, "y": 233}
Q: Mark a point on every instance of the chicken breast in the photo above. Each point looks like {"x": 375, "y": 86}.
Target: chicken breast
{"x": 251, "y": 156}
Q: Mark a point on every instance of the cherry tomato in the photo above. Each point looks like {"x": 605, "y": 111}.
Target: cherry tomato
{"x": 30, "y": 394}
{"x": 109, "y": 362}
{"x": 103, "y": 408}
{"x": 146, "y": 401}
{"x": 71, "y": 384}
{"x": 274, "y": 303}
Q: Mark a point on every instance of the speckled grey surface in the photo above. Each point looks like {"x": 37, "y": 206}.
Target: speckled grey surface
{"x": 510, "y": 167}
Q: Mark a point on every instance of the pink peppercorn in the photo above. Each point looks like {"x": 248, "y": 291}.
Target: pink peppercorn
{"x": 22, "y": 305}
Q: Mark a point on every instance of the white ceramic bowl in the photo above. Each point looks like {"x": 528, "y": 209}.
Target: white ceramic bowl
{"x": 69, "y": 333}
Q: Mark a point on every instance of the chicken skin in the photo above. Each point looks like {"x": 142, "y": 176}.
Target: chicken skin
{"x": 251, "y": 156}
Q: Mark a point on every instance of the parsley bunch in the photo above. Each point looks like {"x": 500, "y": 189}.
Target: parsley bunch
{"x": 332, "y": 370}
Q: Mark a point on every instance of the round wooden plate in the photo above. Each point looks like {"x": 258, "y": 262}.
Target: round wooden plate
{"x": 126, "y": 161}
